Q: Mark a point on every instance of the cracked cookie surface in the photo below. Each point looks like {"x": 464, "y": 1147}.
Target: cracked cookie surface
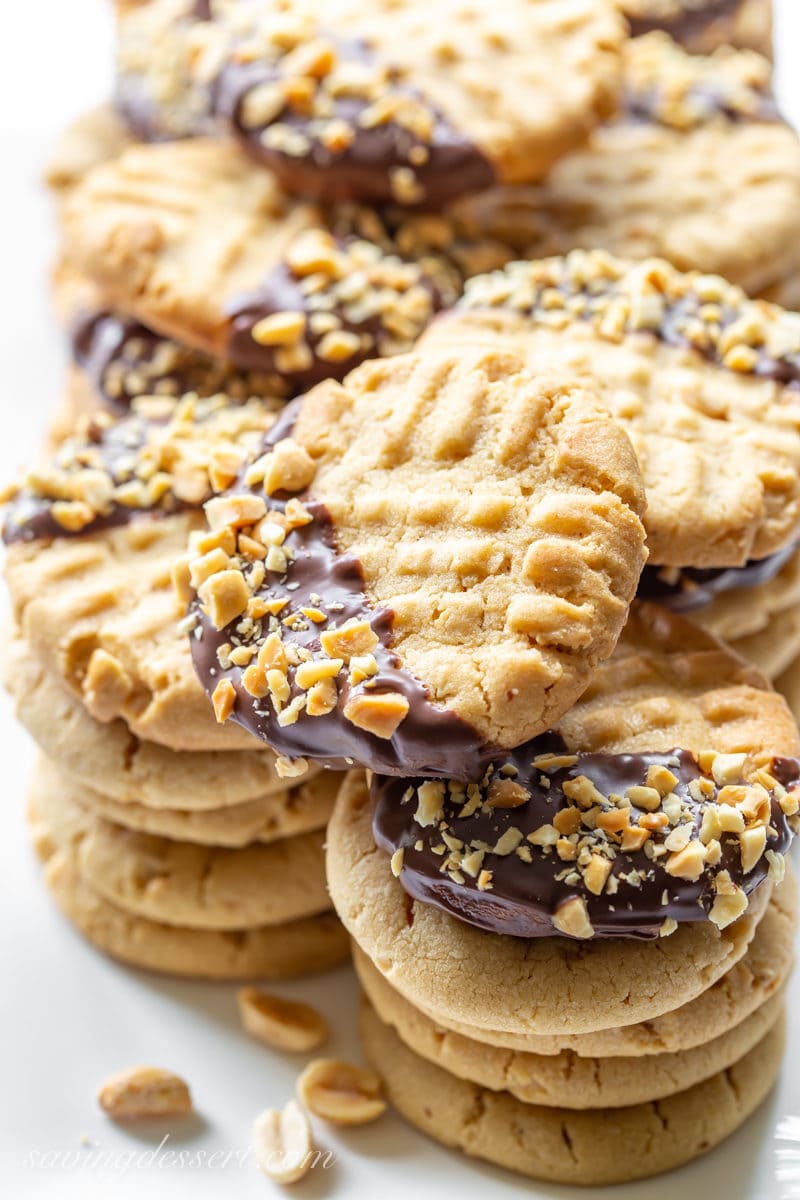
{"x": 559, "y": 1144}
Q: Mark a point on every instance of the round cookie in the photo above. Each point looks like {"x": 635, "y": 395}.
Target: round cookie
{"x": 746, "y": 987}
{"x": 179, "y": 883}
{"x": 511, "y": 505}
{"x": 703, "y": 380}
{"x": 539, "y": 986}
{"x": 413, "y": 104}
{"x": 202, "y": 247}
{"x": 93, "y": 538}
{"x": 668, "y": 685}
{"x": 297, "y": 810}
{"x": 558, "y": 1144}
{"x": 273, "y": 952}
{"x": 563, "y": 1080}
{"x": 591, "y": 832}
{"x": 698, "y": 168}
{"x": 131, "y": 771}
{"x": 702, "y": 25}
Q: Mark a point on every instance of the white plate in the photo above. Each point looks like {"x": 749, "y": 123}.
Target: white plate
{"x": 68, "y": 1016}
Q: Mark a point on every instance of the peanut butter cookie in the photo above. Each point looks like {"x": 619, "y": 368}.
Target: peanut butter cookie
{"x": 667, "y": 686}
{"x": 269, "y": 952}
{"x": 698, "y": 167}
{"x": 510, "y": 503}
{"x": 736, "y": 995}
{"x": 205, "y": 249}
{"x": 178, "y": 883}
{"x": 93, "y": 537}
{"x": 393, "y": 101}
{"x": 560, "y": 1144}
{"x": 702, "y": 378}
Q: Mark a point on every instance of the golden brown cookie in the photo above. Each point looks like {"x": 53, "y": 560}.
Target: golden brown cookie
{"x": 131, "y": 770}
{"x": 559, "y": 1144}
{"x": 668, "y": 686}
{"x": 563, "y": 1080}
{"x": 697, "y": 168}
{"x": 178, "y": 883}
{"x": 594, "y": 829}
{"x": 272, "y": 952}
{"x": 748, "y": 985}
{"x": 93, "y": 538}
{"x": 538, "y": 986}
{"x": 702, "y": 25}
{"x": 703, "y": 380}
{"x": 511, "y": 505}
{"x": 394, "y": 101}
{"x": 204, "y": 248}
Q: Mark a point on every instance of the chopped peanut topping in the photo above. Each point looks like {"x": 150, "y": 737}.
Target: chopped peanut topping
{"x": 223, "y": 698}
{"x": 378, "y": 713}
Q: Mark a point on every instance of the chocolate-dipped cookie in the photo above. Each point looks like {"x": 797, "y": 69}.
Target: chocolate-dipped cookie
{"x": 393, "y": 101}
{"x": 642, "y": 930}
{"x": 703, "y": 379}
{"x": 93, "y": 535}
{"x": 697, "y": 167}
{"x": 510, "y": 503}
{"x": 204, "y": 249}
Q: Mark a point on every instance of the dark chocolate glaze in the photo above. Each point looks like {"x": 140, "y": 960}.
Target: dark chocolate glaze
{"x": 281, "y": 292}
{"x": 123, "y": 359}
{"x": 105, "y": 340}
{"x": 680, "y": 313}
{"x": 525, "y": 895}
{"x": 454, "y": 167}
{"x": 695, "y": 587}
{"x": 688, "y": 24}
{"x": 431, "y": 740}
{"x": 29, "y": 517}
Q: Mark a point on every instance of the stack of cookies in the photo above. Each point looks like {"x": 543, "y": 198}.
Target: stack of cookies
{"x": 171, "y": 843}
{"x": 428, "y": 429}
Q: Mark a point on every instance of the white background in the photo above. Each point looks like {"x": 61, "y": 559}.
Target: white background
{"x": 69, "y": 1017}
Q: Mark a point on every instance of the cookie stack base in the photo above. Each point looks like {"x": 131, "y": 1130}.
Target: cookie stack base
{"x": 270, "y": 952}
{"x": 563, "y": 1145}
{"x": 201, "y": 911}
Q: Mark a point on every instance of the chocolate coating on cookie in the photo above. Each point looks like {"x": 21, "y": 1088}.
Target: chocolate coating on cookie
{"x": 308, "y": 589}
{"x": 688, "y": 588}
{"x": 164, "y": 457}
{"x": 620, "y": 300}
{"x": 376, "y": 140}
{"x": 124, "y": 359}
{"x": 332, "y": 303}
{"x": 590, "y": 845}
